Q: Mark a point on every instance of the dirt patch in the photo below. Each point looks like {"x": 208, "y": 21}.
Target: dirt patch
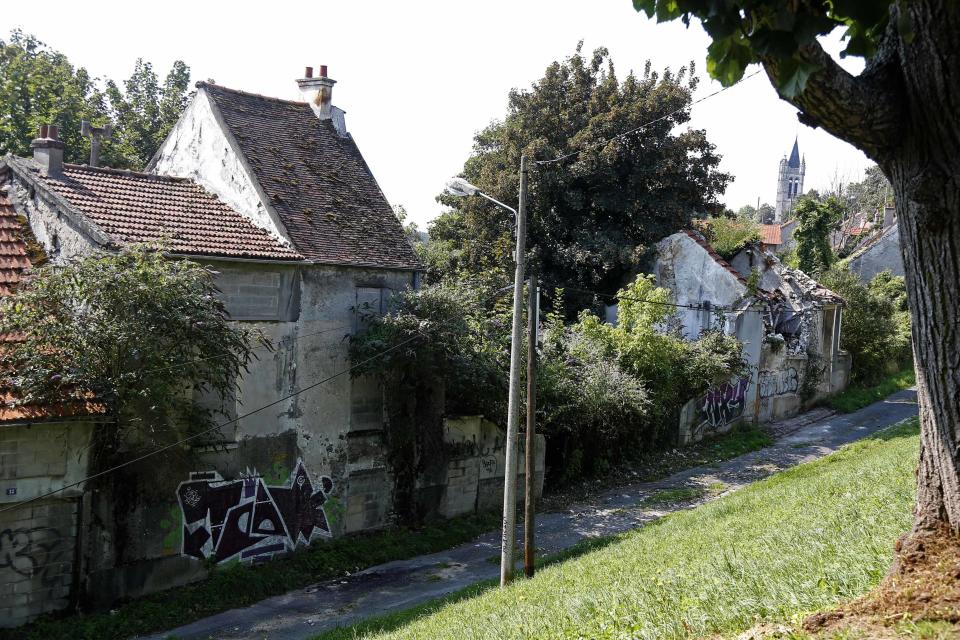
{"x": 919, "y": 599}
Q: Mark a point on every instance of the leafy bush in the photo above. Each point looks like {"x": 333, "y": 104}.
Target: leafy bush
{"x": 816, "y": 220}
{"x": 620, "y": 389}
{"x": 876, "y": 325}
{"x": 728, "y": 236}
{"x": 133, "y": 328}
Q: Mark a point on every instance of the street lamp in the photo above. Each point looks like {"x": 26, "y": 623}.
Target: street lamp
{"x": 462, "y": 188}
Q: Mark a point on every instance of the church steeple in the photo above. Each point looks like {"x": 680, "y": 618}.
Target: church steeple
{"x": 789, "y": 182}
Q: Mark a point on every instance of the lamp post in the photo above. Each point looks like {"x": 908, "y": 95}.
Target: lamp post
{"x": 460, "y": 187}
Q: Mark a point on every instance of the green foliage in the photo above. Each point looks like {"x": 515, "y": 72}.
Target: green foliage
{"x": 801, "y": 541}
{"x": 730, "y": 236}
{"x": 39, "y": 85}
{"x": 242, "y": 585}
{"x": 816, "y": 220}
{"x": 435, "y": 353}
{"x": 610, "y": 393}
{"x": 135, "y": 329}
{"x": 876, "y": 326}
{"x": 744, "y": 32}
{"x": 591, "y": 216}
{"x": 857, "y": 397}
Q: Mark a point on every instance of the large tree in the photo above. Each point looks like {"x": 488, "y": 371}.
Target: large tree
{"x": 902, "y": 112}
{"x": 39, "y": 85}
{"x": 593, "y": 214}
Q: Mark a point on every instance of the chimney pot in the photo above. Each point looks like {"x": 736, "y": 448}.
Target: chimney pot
{"x": 48, "y": 150}
{"x": 317, "y": 92}
{"x": 323, "y": 71}
{"x": 308, "y": 73}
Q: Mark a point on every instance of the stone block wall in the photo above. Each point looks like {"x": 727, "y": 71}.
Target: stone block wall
{"x": 37, "y": 560}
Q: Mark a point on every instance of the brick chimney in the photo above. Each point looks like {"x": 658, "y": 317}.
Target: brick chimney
{"x": 48, "y": 150}
{"x": 318, "y": 91}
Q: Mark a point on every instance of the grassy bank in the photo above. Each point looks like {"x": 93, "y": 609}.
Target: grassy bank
{"x": 798, "y": 542}
{"x": 854, "y": 398}
{"x": 241, "y": 585}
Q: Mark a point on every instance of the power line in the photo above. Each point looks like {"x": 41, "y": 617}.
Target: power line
{"x": 206, "y": 431}
{"x": 226, "y": 353}
{"x": 647, "y": 124}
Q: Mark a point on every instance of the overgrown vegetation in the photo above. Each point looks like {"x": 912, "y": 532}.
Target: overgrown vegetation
{"x": 238, "y": 585}
{"x": 857, "y": 397}
{"x": 143, "y": 334}
{"x": 606, "y": 393}
{"x": 729, "y": 235}
{"x": 816, "y": 220}
{"x": 797, "y": 542}
{"x": 876, "y": 324}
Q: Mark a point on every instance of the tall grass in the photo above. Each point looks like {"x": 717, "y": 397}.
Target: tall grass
{"x": 795, "y": 543}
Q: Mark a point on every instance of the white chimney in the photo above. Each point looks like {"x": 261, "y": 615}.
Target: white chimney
{"x": 318, "y": 92}
{"x": 48, "y": 150}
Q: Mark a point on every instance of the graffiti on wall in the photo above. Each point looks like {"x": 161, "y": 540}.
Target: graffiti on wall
{"x": 32, "y": 552}
{"x": 247, "y": 520}
{"x": 721, "y": 405}
{"x": 778, "y": 383}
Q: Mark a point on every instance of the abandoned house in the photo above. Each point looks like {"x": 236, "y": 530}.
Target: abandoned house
{"x": 275, "y": 196}
{"x": 788, "y": 323}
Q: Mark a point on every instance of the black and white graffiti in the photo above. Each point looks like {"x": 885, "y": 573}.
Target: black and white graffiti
{"x": 778, "y": 383}
{"x": 31, "y": 552}
{"x": 721, "y": 405}
{"x": 247, "y": 520}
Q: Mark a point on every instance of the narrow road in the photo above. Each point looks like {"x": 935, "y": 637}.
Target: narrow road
{"x": 399, "y": 585}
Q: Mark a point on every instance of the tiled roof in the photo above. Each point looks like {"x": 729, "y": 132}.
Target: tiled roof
{"x": 700, "y": 240}
{"x": 14, "y": 261}
{"x": 770, "y": 234}
{"x": 316, "y": 180}
{"x": 14, "y": 258}
{"x": 139, "y": 207}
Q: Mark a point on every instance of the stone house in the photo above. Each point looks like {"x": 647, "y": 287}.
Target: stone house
{"x": 788, "y": 323}
{"x": 276, "y": 198}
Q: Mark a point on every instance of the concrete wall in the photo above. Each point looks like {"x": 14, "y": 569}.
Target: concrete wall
{"x": 882, "y": 255}
{"x": 694, "y": 277}
{"x": 477, "y": 465}
{"x": 38, "y": 541}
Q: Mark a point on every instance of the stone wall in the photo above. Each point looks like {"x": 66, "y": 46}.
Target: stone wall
{"x": 38, "y": 550}
{"x": 882, "y": 255}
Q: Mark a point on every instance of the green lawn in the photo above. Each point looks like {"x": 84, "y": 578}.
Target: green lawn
{"x": 854, "y": 398}
{"x": 795, "y": 543}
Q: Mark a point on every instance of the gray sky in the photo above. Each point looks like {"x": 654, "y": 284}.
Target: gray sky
{"x": 418, "y": 79}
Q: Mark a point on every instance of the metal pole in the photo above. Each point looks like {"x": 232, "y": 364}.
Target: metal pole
{"x": 513, "y": 404}
{"x": 529, "y": 505}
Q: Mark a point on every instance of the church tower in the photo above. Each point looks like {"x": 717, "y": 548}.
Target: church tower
{"x": 790, "y": 183}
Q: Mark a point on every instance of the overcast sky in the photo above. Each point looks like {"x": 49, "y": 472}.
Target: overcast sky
{"x": 418, "y": 79}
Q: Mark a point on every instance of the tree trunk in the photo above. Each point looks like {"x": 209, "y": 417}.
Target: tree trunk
{"x": 925, "y": 173}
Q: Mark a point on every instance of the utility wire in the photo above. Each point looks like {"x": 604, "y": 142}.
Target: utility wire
{"x": 226, "y": 353}
{"x": 206, "y": 431}
{"x": 645, "y": 125}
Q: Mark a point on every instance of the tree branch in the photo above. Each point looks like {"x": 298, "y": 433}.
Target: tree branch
{"x": 865, "y": 110}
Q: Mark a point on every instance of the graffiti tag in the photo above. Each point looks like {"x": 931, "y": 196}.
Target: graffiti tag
{"x": 778, "y": 383}
{"x": 247, "y": 520}
{"x": 721, "y": 405}
{"x": 30, "y": 552}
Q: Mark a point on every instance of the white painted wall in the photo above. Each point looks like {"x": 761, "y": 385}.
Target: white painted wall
{"x": 198, "y": 147}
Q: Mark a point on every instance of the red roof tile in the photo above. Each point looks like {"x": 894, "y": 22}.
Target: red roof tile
{"x": 770, "y": 234}
{"x": 14, "y": 258}
{"x": 316, "y": 180}
{"x": 136, "y": 207}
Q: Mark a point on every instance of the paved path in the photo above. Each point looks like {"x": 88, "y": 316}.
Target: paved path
{"x": 400, "y": 585}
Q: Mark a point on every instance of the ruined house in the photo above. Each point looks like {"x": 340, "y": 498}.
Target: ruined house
{"x": 274, "y": 196}
{"x": 788, "y": 323}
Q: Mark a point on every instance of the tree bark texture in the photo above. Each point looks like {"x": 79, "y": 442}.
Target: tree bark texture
{"x": 904, "y": 112}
